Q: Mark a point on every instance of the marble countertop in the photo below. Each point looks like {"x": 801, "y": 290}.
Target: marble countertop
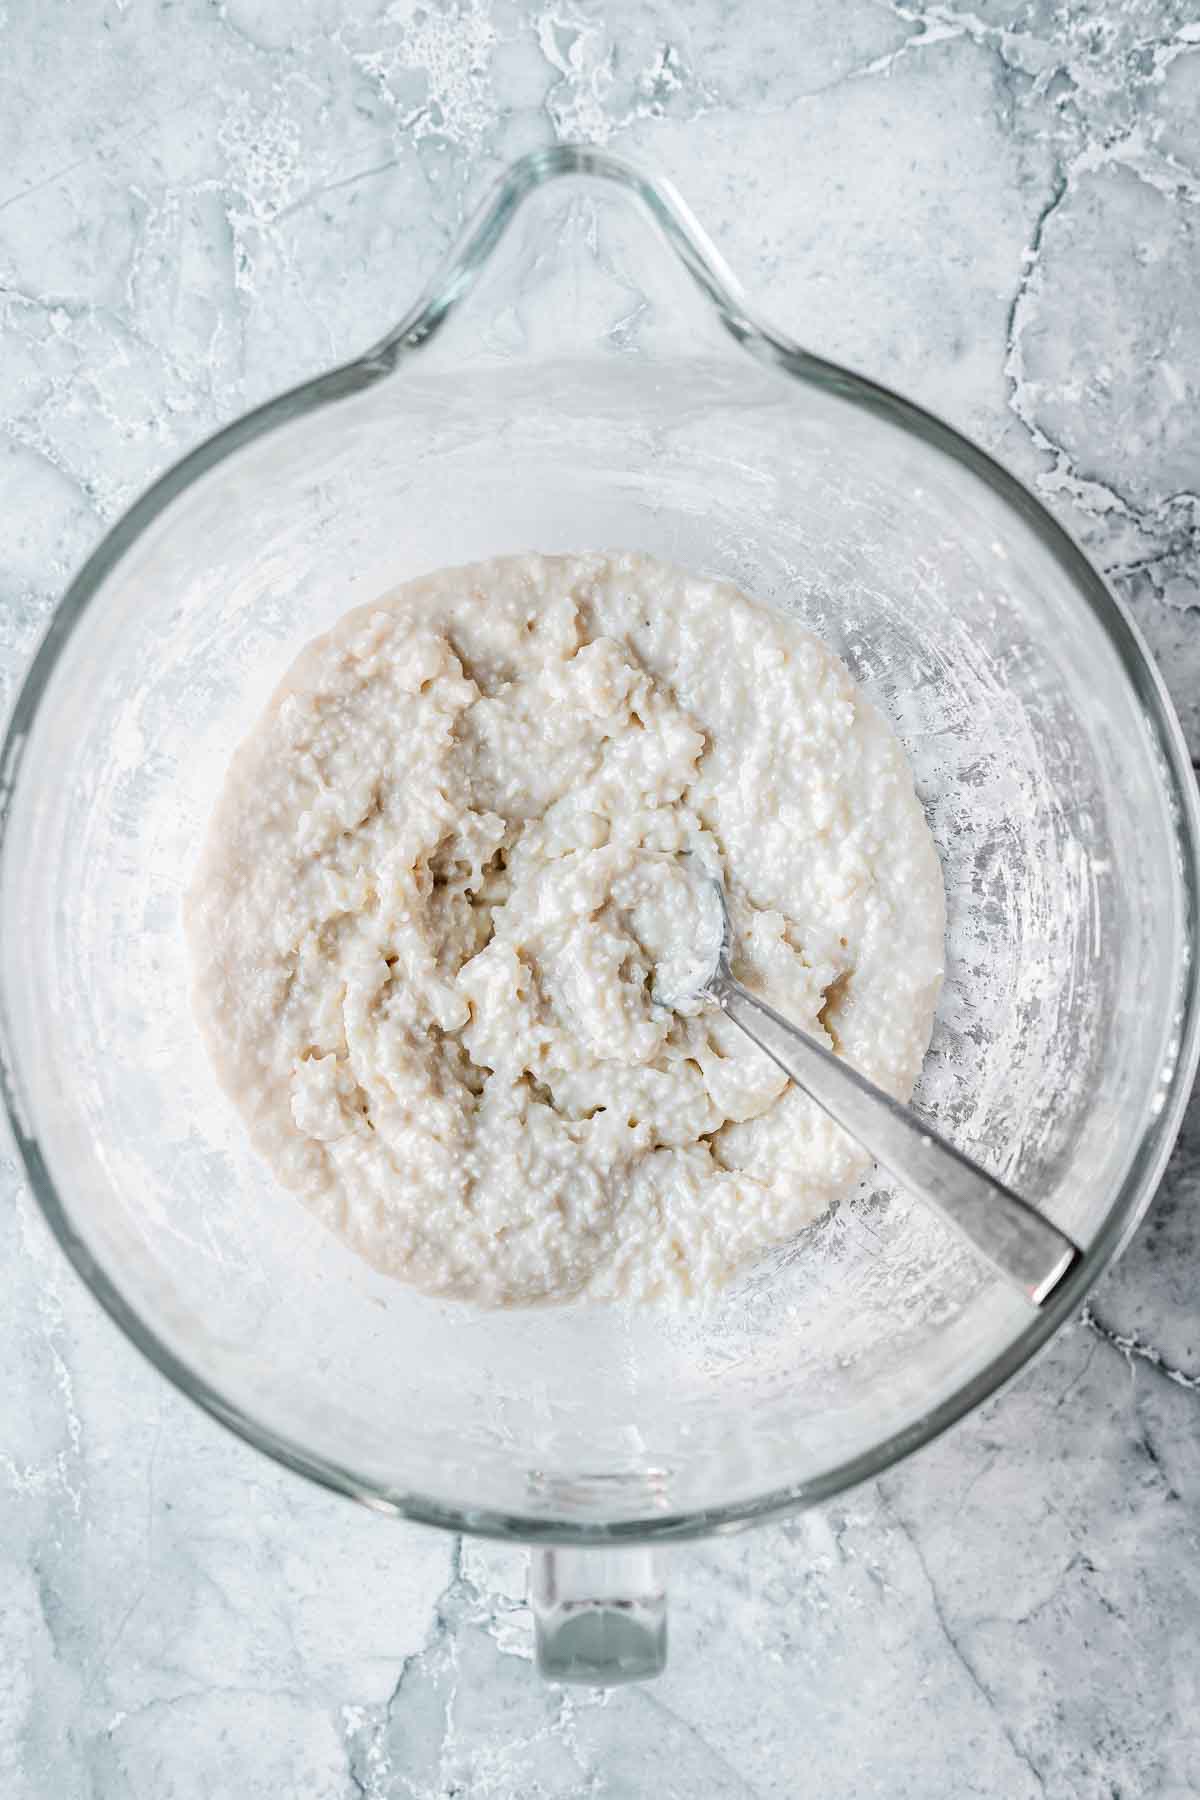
{"x": 996, "y": 208}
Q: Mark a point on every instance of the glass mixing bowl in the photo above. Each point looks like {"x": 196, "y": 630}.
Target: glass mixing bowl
{"x": 584, "y": 373}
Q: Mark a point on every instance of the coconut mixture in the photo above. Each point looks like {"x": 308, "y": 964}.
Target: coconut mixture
{"x": 440, "y": 879}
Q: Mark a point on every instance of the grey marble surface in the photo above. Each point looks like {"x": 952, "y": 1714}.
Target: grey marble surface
{"x": 996, "y": 208}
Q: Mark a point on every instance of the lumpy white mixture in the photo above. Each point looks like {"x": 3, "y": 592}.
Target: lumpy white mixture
{"x": 441, "y": 877}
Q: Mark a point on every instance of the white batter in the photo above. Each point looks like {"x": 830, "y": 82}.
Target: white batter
{"x": 437, "y": 885}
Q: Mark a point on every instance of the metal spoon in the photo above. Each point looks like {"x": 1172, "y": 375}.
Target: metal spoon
{"x": 1018, "y": 1242}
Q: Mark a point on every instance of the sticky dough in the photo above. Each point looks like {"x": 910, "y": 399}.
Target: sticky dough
{"x": 444, "y": 869}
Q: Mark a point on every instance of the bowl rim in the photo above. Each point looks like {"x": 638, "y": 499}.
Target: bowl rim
{"x": 439, "y": 300}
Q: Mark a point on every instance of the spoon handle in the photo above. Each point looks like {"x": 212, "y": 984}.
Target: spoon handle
{"x": 1023, "y": 1246}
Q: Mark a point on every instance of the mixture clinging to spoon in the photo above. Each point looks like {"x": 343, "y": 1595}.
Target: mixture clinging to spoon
{"x": 1022, "y": 1245}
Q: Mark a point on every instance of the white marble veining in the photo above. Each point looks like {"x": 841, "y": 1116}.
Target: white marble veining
{"x": 996, "y": 207}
